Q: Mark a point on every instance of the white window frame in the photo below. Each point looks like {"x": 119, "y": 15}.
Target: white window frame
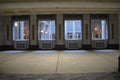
{"x": 104, "y": 34}
{"x": 73, "y": 31}
{"x": 21, "y": 28}
{"x": 49, "y": 30}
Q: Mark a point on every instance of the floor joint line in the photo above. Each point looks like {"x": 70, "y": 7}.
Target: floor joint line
{"x": 57, "y": 62}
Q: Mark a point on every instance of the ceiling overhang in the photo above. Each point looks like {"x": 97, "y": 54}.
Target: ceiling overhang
{"x": 7, "y": 1}
{"x": 58, "y": 7}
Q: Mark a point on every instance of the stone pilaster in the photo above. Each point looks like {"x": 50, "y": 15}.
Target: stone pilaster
{"x": 119, "y": 46}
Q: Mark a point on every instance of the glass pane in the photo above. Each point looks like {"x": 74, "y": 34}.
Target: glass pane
{"x": 21, "y": 30}
{"x": 73, "y": 30}
{"x": 78, "y": 34}
{"x": 99, "y": 29}
{"x": 69, "y": 26}
{"x": 46, "y": 29}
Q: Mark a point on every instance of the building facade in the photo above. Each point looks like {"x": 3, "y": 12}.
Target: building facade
{"x": 59, "y": 24}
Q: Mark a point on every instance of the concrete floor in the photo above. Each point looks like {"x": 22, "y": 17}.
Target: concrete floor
{"x": 52, "y": 62}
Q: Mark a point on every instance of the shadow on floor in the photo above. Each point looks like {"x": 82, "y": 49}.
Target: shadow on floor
{"x": 81, "y": 76}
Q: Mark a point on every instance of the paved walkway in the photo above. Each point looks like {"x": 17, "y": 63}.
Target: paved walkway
{"x": 58, "y": 62}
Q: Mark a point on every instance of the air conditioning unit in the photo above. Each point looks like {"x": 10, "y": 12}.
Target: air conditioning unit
{"x": 21, "y": 44}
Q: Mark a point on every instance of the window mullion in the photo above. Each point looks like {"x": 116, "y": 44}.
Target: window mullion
{"x": 22, "y": 30}
{"x": 73, "y": 30}
{"x": 65, "y": 30}
{"x": 49, "y": 31}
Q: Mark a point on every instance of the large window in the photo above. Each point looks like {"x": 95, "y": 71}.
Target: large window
{"x": 46, "y": 29}
{"x": 73, "y": 29}
{"x": 99, "y": 29}
{"x": 21, "y": 30}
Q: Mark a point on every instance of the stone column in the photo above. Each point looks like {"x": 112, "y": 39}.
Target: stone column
{"x": 60, "y": 30}
{"x": 33, "y": 30}
{"x": 7, "y": 30}
{"x": 1, "y": 31}
{"x": 86, "y": 32}
{"x": 119, "y": 44}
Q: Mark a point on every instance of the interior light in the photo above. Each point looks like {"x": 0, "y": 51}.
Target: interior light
{"x": 46, "y": 32}
{"x": 41, "y": 31}
{"x": 16, "y": 24}
{"x": 96, "y": 29}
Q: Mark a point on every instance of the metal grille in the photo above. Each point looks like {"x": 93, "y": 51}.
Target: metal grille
{"x": 46, "y": 46}
{"x": 21, "y": 45}
{"x": 100, "y": 44}
{"x": 73, "y": 46}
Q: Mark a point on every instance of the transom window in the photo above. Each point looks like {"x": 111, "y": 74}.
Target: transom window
{"x": 21, "y": 30}
{"x": 73, "y": 29}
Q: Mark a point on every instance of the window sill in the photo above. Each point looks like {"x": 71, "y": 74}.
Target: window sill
{"x": 21, "y": 40}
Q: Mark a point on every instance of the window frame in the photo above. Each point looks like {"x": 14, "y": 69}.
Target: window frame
{"x": 46, "y": 17}
{"x": 74, "y": 33}
{"x": 20, "y": 18}
{"x": 100, "y": 17}
{"x": 39, "y": 29}
{"x": 73, "y": 17}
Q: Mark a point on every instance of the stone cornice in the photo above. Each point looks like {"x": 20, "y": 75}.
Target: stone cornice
{"x": 59, "y": 7}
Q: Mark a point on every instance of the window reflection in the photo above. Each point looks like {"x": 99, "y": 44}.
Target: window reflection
{"x": 21, "y": 30}
{"x": 73, "y": 29}
{"x": 46, "y": 30}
